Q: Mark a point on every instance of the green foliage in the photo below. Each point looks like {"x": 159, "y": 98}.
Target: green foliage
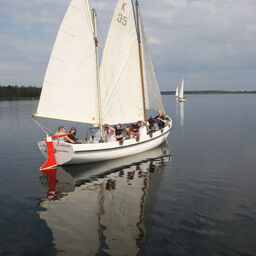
{"x": 18, "y": 92}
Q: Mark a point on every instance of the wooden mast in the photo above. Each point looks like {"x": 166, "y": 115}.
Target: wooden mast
{"x": 97, "y": 63}
{"x": 141, "y": 65}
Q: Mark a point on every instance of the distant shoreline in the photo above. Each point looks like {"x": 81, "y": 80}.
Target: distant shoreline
{"x": 19, "y": 98}
{"x": 14, "y": 92}
{"x": 209, "y": 92}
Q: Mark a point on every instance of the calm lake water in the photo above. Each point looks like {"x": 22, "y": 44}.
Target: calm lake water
{"x": 195, "y": 196}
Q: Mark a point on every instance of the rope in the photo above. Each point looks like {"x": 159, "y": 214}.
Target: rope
{"x": 46, "y": 130}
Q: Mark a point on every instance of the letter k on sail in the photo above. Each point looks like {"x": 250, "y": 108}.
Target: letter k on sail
{"x": 123, "y": 7}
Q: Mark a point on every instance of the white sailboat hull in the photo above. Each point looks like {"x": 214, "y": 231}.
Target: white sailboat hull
{"x": 66, "y": 153}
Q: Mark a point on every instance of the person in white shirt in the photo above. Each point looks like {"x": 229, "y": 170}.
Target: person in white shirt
{"x": 109, "y": 133}
{"x": 61, "y": 131}
{"x": 142, "y": 132}
{"x": 97, "y": 135}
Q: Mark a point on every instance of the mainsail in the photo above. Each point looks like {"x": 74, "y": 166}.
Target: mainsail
{"x": 153, "y": 94}
{"x": 70, "y": 85}
{"x": 120, "y": 79}
{"x": 182, "y": 90}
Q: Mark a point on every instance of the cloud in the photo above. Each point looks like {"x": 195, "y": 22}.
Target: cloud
{"x": 213, "y": 39}
{"x": 204, "y": 37}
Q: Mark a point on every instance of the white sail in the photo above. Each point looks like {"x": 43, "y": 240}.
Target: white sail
{"x": 182, "y": 90}
{"x": 120, "y": 80}
{"x": 152, "y": 91}
{"x": 177, "y": 92}
{"x": 70, "y": 86}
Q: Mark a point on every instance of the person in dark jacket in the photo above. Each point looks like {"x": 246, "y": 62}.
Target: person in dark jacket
{"x": 153, "y": 126}
{"x": 160, "y": 119}
{"x": 119, "y": 132}
{"x": 72, "y": 137}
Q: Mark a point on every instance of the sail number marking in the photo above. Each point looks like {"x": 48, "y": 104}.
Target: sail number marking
{"x": 122, "y": 19}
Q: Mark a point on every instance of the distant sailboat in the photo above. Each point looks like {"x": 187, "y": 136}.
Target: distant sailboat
{"x": 181, "y": 95}
{"x": 75, "y": 90}
{"x": 177, "y": 92}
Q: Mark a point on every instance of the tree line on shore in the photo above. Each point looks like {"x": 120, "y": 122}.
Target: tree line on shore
{"x": 19, "y": 92}
{"x": 13, "y": 92}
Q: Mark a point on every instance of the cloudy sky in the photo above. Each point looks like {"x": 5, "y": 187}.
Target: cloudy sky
{"x": 210, "y": 43}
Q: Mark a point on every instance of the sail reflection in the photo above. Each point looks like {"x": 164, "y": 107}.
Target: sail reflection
{"x": 182, "y": 105}
{"x": 104, "y": 207}
{"x": 177, "y": 107}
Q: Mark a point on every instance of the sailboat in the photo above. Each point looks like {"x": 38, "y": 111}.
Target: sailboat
{"x": 181, "y": 95}
{"x": 177, "y": 92}
{"x": 120, "y": 91}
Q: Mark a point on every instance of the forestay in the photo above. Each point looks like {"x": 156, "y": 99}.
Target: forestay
{"x": 152, "y": 91}
{"x": 70, "y": 86}
{"x": 120, "y": 78}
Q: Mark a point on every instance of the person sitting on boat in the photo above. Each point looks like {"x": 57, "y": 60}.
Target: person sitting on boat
{"x": 61, "y": 131}
{"x": 142, "y": 132}
{"x": 97, "y": 136}
{"x": 135, "y": 128}
{"x": 118, "y": 132}
{"x": 125, "y": 133}
{"x": 109, "y": 133}
{"x": 71, "y": 138}
{"x": 153, "y": 126}
{"x": 128, "y": 132}
{"x": 160, "y": 119}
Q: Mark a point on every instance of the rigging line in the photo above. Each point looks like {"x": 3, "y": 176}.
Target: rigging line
{"x": 46, "y": 130}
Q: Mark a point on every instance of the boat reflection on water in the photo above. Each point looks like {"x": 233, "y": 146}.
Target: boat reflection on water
{"x": 104, "y": 207}
{"x": 182, "y": 105}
